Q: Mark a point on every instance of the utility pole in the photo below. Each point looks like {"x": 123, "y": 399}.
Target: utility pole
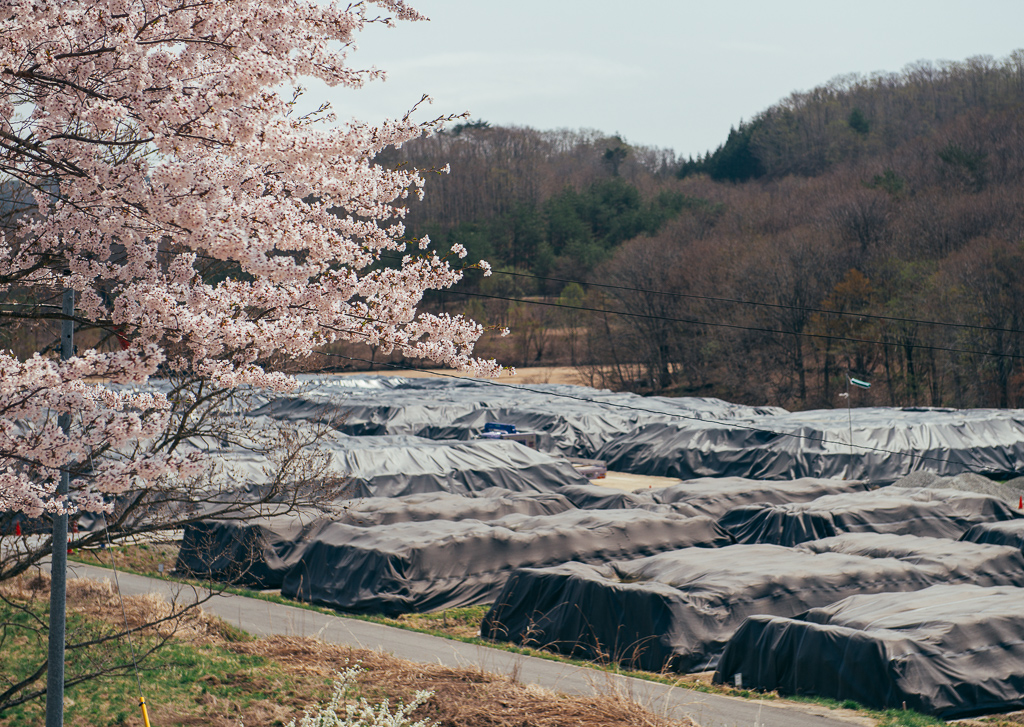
{"x": 59, "y": 556}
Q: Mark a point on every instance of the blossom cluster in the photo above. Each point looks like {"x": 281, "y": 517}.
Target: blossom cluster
{"x": 196, "y": 214}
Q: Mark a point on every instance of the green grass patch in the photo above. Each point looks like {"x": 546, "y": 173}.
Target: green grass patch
{"x": 178, "y": 679}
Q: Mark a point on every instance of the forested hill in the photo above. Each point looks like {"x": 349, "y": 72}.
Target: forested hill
{"x": 871, "y": 226}
{"x": 856, "y": 117}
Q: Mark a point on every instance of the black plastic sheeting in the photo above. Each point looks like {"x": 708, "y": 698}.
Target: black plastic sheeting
{"x": 817, "y": 444}
{"x": 912, "y": 511}
{"x": 677, "y": 610}
{"x": 394, "y": 466}
{"x": 950, "y": 651}
{"x": 962, "y": 562}
{"x": 598, "y": 497}
{"x": 257, "y": 550}
{"x": 490, "y": 504}
{"x": 396, "y": 569}
{"x": 252, "y": 551}
{"x": 572, "y": 420}
{"x": 715, "y": 496}
{"x": 1004, "y": 533}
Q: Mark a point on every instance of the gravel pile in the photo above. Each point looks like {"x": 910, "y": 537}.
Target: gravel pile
{"x": 968, "y": 482}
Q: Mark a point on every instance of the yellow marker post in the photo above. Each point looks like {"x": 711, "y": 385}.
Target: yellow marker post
{"x": 145, "y": 713}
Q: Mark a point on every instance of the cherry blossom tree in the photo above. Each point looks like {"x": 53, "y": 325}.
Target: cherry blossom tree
{"x": 155, "y": 162}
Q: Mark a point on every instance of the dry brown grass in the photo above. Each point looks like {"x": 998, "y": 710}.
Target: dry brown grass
{"x": 294, "y": 674}
{"x": 462, "y": 697}
{"x": 99, "y": 599}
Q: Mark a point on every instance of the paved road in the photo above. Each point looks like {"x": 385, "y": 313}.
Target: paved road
{"x": 264, "y": 618}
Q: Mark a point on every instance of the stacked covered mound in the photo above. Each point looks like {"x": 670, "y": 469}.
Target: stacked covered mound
{"x": 439, "y": 564}
{"x": 678, "y": 609}
{"x": 1010, "y": 532}
{"x": 914, "y": 511}
{"x": 817, "y": 443}
{"x": 392, "y": 466}
{"x": 715, "y": 496}
{"x": 572, "y": 420}
{"x": 949, "y": 650}
{"x": 256, "y": 549}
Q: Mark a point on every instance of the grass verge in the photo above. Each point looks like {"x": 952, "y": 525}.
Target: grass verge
{"x": 207, "y": 673}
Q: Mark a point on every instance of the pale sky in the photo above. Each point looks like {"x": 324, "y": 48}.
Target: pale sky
{"x": 668, "y": 73}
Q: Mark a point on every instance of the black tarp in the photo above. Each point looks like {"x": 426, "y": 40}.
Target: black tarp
{"x": 943, "y": 560}
{"x": 246, "y": 549}
{"x": 598, "y": 497}
{"x": 893, "y": 442}
{"x": 251, "y": 548}
{"x": 1009, "y": 533}
{"x": 433, "y": 565}
{"x": 921, "y": 511}
{"x": 715, "y": 496}
{"x": 489, "y": 504}
{"x": 950, "y": 651}
{"x": 678, "y": 609}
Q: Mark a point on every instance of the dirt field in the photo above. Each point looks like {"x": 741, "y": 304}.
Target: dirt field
{"x": 532, "y": 375}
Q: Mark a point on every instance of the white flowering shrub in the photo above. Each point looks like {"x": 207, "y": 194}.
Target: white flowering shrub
{"x": 340, "y": 712}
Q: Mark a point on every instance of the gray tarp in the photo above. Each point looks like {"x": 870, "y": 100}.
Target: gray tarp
{"x": 817, "y": 444}
{"x": 677, "y": 610}
{"x": 253, "y": 549}
{"x": 433, "y": 565}
{"x": 934, "y": 513}
{"x": 573, "y": 420}
{"x": 951, "y": 651}
{"x": 393, "y": 466}
{"x": 675, "y": 437}
{"x": 715, "y": 496}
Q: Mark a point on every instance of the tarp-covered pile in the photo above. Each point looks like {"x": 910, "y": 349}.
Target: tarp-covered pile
{"x": 914, "y": 511}
{"x": 246, "y": 549}
{"x": 1010, "y": 533}
{"x": 818, "y": 444}
{"x": 252, "y": 548}
{"x": 949, "y": 650}
{"x": 678, "y": 609}
{"x": 391, "y": 466}
{"x": 573, "y": 420}
{"x": 441, "y": 564}
{"x": 715, "y": 496}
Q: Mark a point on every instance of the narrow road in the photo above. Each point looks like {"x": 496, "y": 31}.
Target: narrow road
{"x": 263, "y": 618}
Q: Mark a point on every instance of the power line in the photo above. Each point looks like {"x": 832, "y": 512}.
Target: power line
{"x": 677, "y": 415}
{"x": 875, "y": 342}
{"x": 735, "y": 326}
{"x": 739, "y": 301}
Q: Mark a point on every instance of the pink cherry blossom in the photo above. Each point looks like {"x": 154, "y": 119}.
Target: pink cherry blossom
{"x": 204, "y": 224}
